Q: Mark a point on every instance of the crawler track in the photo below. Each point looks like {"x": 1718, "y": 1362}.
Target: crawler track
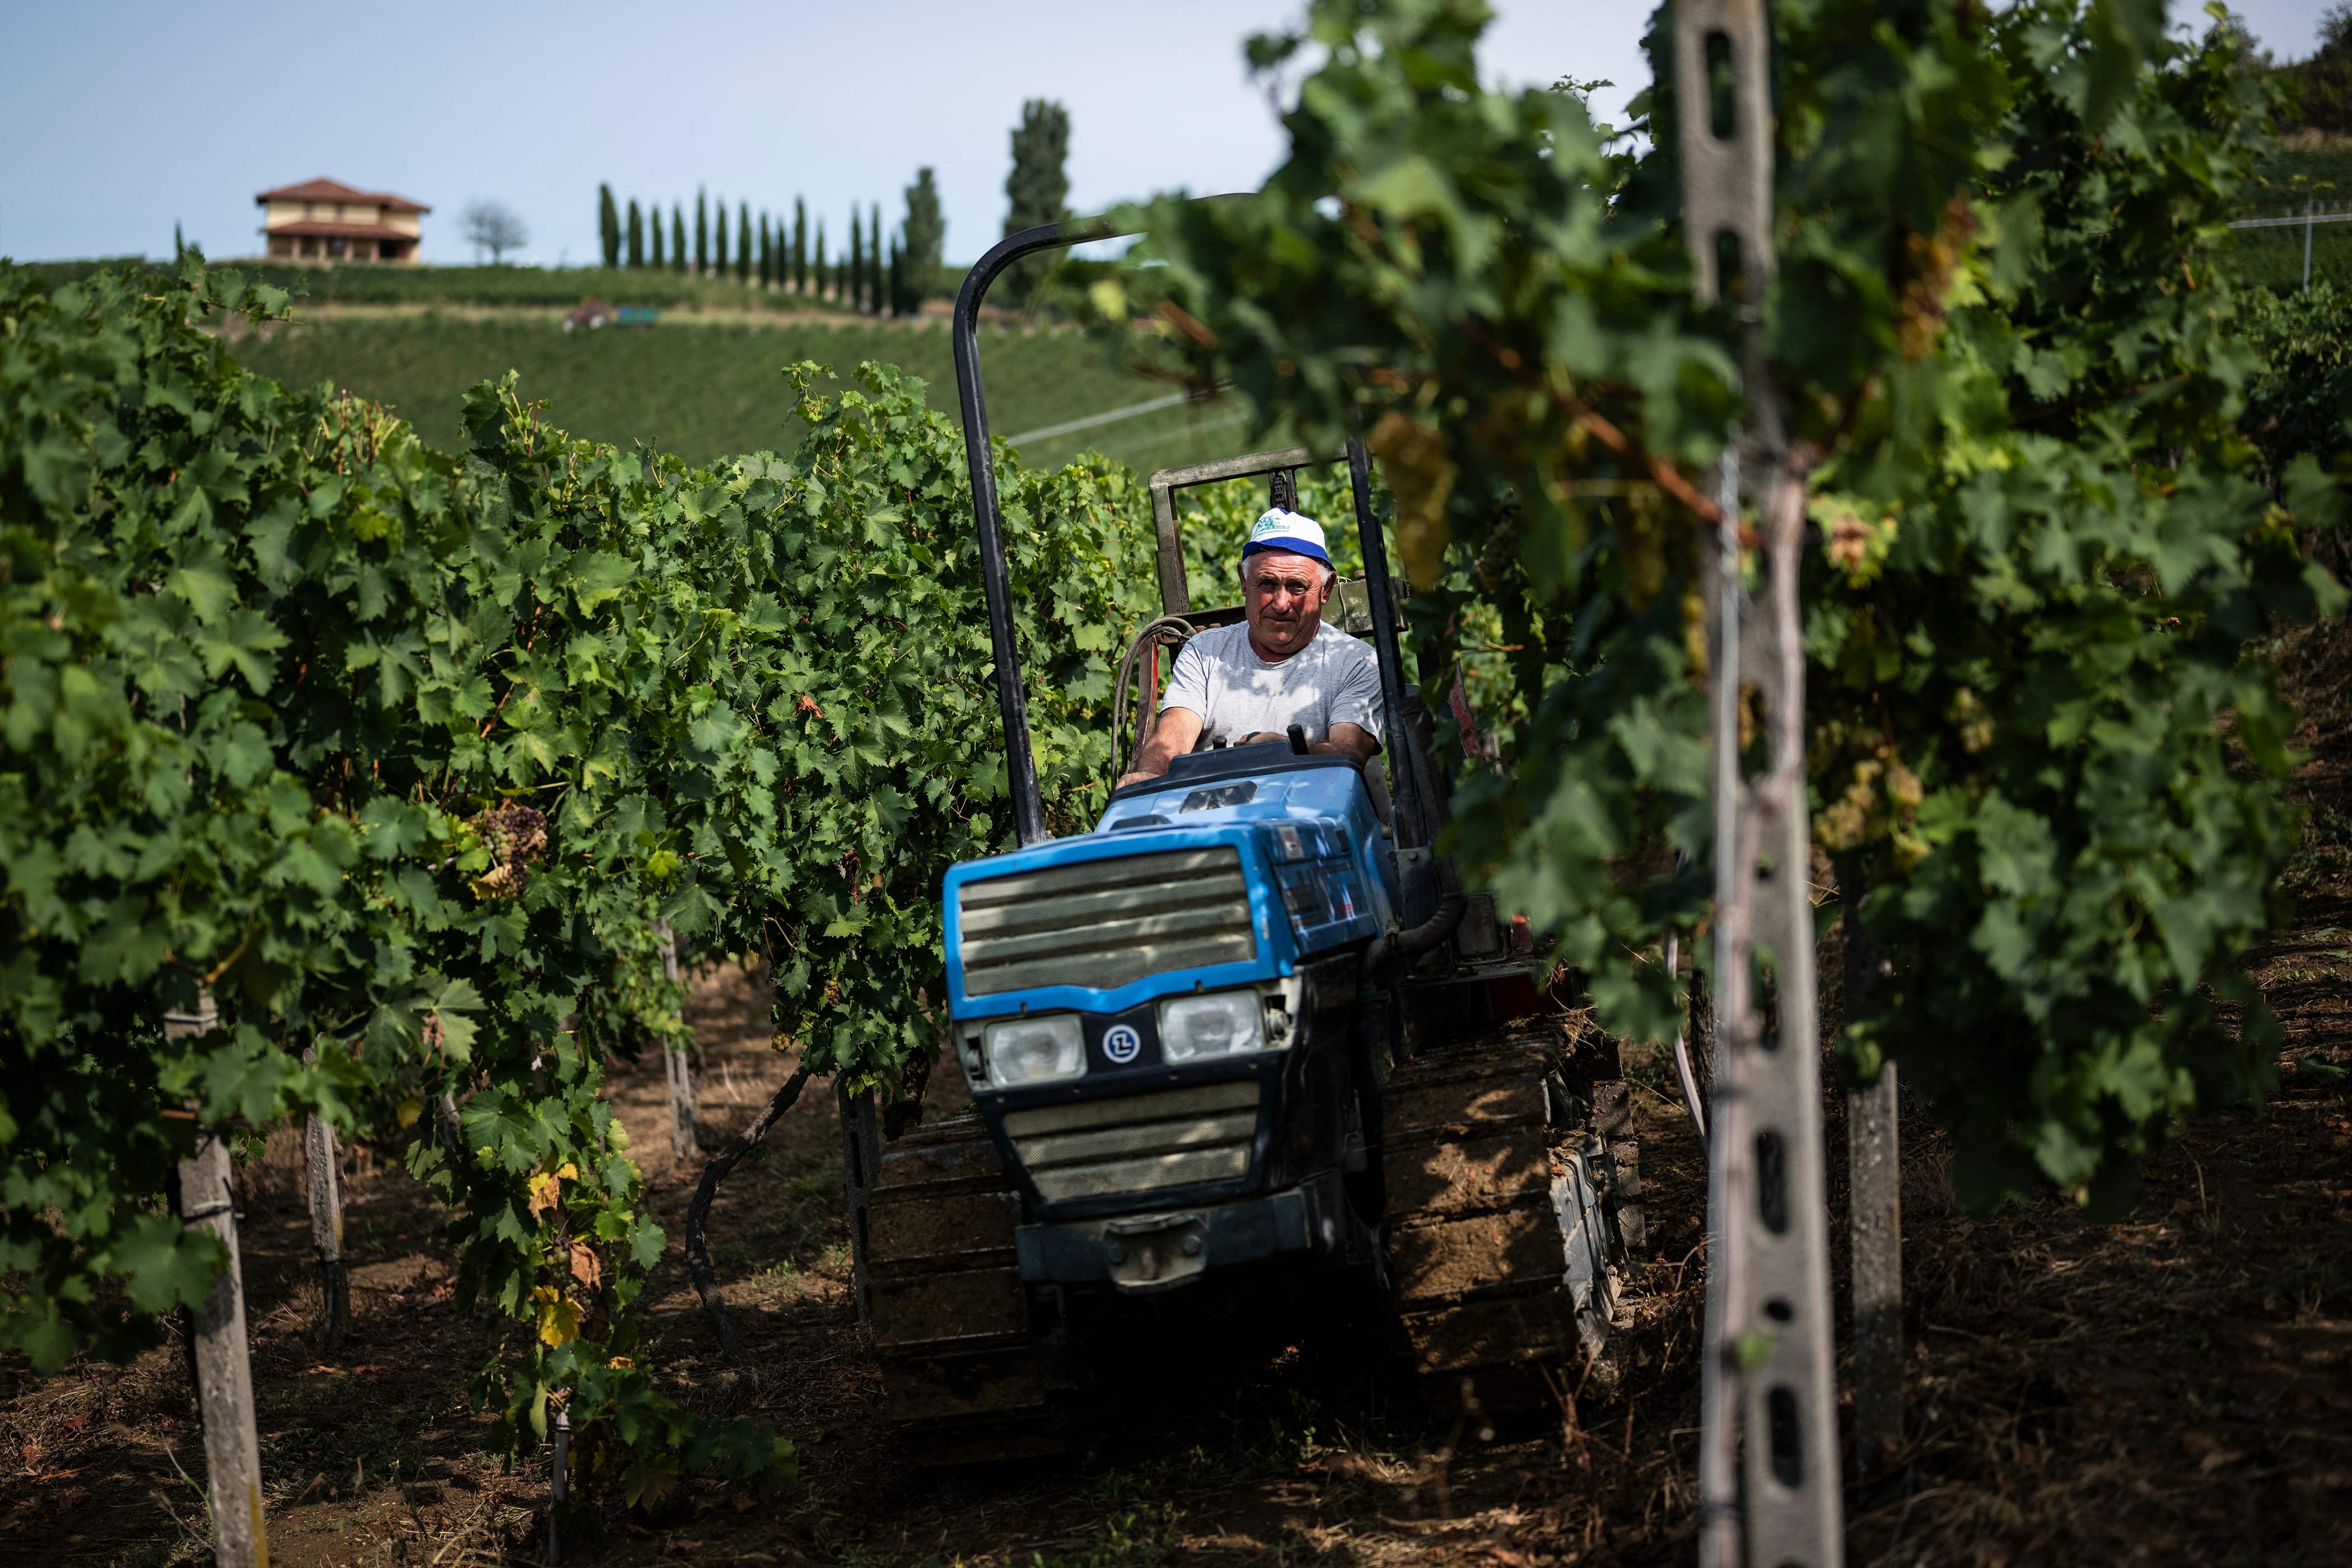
{"x": 961, "y": 1379}
{"x": 1501, "y": 1224}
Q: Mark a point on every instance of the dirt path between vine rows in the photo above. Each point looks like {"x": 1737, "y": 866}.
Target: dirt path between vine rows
{"x": 2175, "y": 1389}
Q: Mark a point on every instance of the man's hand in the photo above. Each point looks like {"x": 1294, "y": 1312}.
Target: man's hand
{"x": 1174, "y": 735}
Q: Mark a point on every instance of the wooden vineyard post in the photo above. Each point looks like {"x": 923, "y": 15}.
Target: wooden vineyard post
{"x": 1769, "y": 1475}
{"x": 685, "y": 1141}
{"x": 224, "y": 1374}
{"x": 1875, "y": 1223}
{"x": 861, "y": 1162}
{"x": 322, "y": 1160}
{"x": 559, "y": 1479}
{"x": 1873, "y": 1146}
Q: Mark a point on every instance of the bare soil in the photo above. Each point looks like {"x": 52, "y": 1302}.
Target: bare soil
{"x": 2174, "y": 1389}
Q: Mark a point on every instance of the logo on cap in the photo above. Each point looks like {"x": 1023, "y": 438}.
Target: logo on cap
{"x": 1287, "y": 530}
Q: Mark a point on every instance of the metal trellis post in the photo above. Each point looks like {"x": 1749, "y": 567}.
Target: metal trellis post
{"x": 1769, "y": 1475}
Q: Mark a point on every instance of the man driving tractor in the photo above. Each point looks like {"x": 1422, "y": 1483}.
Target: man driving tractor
{"x": 1248, "y": 683}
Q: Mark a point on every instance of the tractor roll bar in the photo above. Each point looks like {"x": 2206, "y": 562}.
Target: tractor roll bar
{"x": 1420, "y": 792}
{"x": 1020, "y": 763}
{"x": 971, "y": 401}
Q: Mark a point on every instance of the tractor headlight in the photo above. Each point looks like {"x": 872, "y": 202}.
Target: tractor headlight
{"x": 1195, "y": 1028}
{"x": 1035, "y": 1050}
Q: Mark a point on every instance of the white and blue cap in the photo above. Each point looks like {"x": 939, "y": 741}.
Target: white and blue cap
{"x": 1287, "y": 530}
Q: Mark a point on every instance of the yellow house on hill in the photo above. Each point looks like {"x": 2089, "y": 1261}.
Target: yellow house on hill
{"x": 326, "y": 220}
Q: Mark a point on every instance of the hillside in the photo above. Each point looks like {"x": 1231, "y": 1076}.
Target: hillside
{"x": 2301, "y": 169}
{"x": 701, "y": 385}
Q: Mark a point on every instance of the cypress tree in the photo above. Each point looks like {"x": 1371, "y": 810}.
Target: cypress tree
{"x": 819, "y": 268}
{"x": 874, "y": 259}
{"x": 800, "y": 246}
{"x": 898, "y": 277}
{"x": 701, "y": 233}
{"x": 677, "y": 237}
{"x": 767, "y": 252}
{"x": 926, "y": 232}
{"x": 1038, "y": 189}
{"x": 743, "y": 242}
{"x": 657, "y": 240}
{"x": 853, "y": 291}
{"x": 719, "y": 256}
{"x": 637, "y": 235}
{"x": 608, "y": 225}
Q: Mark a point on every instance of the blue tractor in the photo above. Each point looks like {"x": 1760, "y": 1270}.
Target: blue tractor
{"x": 1248, "y": 1042}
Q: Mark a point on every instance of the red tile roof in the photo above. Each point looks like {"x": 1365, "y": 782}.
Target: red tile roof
{"x": 326, "y": 190}
{"x": 310, "y": 229}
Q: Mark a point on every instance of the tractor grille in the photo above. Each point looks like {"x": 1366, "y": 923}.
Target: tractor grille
{"x": 1104, "y": 923}
{"x": 1137, "y": 1143}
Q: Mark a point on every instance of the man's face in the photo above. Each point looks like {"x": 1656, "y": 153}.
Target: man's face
{"x": 1282, "y": 595}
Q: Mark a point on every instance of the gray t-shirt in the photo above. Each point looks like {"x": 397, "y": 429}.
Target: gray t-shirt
{"x": 1334, "y": 680}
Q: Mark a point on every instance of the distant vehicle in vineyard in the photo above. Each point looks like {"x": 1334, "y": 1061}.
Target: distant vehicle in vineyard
{"x": 1246, "y": 1048}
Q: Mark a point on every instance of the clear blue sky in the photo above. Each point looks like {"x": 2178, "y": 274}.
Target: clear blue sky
{"x": 119, "y": 117}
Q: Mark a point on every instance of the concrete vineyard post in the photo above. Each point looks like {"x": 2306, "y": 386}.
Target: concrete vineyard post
{"x": 1769, "y": 1475}
{"x": 224, "y": 1374}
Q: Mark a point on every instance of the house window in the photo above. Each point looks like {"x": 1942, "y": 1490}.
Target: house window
{"x": 338, "y": 246}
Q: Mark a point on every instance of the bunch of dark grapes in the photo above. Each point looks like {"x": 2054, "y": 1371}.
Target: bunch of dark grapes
{"x": 514, "y": 835}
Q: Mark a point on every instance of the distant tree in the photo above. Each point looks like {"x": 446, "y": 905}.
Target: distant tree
{"x": 179, "y": 246}
{"x": 897, "y": 290}
{"x": 924, "y": 235}
{"x": 743, "y": 242}
{"x": 656, "y": 259}
{"x": 2319, "y": 90}
{"x": 819, "y": 268}
{"x": 718, "y": 254}
{"x": 874, "y": 259}
{"x": 854, "y": 288}
{"x": 493, "y": 226}
{"x": 608, "y": 226}
{"x": 701, "y": 233}
{"x": 767, "y": 252}
{"x": 637, "y": 236}
{"x": 1038, "y": 189}
{"x": 800, "y": 246}
{"x": 677, "y": 237}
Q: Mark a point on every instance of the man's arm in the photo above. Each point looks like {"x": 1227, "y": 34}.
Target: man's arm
{"x": 1350, "y": 741}
{"x": 1176, "y": 733}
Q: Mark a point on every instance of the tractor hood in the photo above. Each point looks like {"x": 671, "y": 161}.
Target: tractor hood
{"x": 1187, "y": 884}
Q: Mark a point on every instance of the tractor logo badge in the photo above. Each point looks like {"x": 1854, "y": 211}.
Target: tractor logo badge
{"x": 1121, "y": 1043}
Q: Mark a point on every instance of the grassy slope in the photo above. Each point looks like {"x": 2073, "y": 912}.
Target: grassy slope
{"x": 703, "y": 390}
